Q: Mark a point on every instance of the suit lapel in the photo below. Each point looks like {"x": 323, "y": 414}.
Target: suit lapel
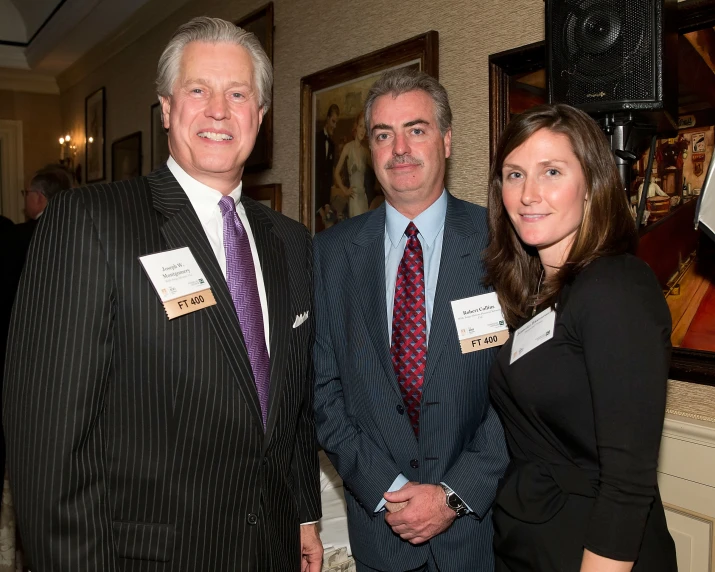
{"x": 181, "y": 227}
{"x": 453, "y": 283}
{"x": 275, "y": 277}
{"x": 367, "y": 261}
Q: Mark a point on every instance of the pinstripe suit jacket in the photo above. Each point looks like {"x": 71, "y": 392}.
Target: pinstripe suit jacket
{"x": 357, "y": 397}
{"x": 136, "y": 443}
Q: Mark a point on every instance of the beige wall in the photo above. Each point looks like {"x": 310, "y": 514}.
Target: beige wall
{"x": 314, "y": 34}
{"x": 41, "y": 126}
{"x": 311, "y": 35}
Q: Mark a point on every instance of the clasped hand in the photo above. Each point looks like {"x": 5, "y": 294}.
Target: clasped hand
{"x": 425, "y": 513}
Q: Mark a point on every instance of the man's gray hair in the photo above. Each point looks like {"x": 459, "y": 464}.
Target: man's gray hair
{"x": 214, "y": 31}
{"x": 50, "y": 180}
{"x": 403, "y": 80}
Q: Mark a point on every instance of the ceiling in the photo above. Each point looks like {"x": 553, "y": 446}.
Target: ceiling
{"x": 40, "y": 39}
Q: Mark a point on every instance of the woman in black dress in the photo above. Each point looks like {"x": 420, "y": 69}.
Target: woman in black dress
{"x": 580, "y": 389}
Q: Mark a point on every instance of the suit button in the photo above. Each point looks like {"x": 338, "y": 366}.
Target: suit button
{"x": 400, "y": 409}
{"x": 252, "y": 519}
{"x": 415, "y": 464}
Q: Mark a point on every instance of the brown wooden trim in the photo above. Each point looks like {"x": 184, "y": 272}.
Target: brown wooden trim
{"x": 695, "y": 15}
{"x": 695, "y": 366}
{"x": 501, "y": 66}
{"x": 305, "y": 197}
{"x": 498, "y": 106}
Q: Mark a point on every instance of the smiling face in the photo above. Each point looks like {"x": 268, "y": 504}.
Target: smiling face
{"x": 408, "y": 151}
{"x": 544, "y": 192}
{"x": 213, "y": 114}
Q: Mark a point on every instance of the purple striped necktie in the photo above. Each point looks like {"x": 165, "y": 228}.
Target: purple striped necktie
{"x": 241, "y": 280}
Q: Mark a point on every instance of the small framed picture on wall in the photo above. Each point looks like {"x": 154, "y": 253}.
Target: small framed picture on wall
{"x": 269, "y": 195}
{"x": 127, "y": 157}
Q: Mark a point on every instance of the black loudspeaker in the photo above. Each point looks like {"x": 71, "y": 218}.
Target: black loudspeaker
{"x": 610, "y": 56}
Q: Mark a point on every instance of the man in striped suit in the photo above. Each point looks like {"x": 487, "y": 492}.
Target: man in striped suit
{"x": 398, "y": 407}
{"x": 140, "y": 443}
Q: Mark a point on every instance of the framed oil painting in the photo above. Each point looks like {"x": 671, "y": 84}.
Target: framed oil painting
{"x": 127, "y": 157}
{"x": 159, "y": 139}
{"x": 260, "y": 23}
{"x": 269, "y": 195}
{"x": 337, "y": 180}
{"x": 94, "y": 110}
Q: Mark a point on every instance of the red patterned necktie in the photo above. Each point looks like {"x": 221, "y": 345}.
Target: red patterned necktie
{"x": 409, "y": 326}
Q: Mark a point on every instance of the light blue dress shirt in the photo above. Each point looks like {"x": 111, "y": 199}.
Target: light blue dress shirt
{"x": 430, "y": 224}
{"x": 430, "y": 227}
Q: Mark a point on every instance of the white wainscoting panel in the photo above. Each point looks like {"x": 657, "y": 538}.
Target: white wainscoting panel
{"x": 686, "y": 477}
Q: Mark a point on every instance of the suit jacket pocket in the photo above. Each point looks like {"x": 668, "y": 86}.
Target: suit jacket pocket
{"x": 144, "y": 541}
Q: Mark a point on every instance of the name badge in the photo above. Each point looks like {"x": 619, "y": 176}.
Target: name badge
{"x": 179, "y": 281}
{"x": 480, "y": 322}
{"x": 535, "y": 332}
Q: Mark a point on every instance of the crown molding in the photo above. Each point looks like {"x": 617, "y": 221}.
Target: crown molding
{"x": 13, "y": 57}
{"x": 28, "y": 81}
{"x": 141, "y": 22}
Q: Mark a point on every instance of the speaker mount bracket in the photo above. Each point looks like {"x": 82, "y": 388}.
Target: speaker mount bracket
{"x": 628, "y": 134}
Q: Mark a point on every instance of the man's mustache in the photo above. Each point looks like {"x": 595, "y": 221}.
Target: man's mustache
{"x": 403, "y": 160}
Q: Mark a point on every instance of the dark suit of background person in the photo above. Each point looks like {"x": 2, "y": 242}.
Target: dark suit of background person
{"x": 5, "y": 223}
{"x": 14, "y": 243}
{"x": 360, "y": 415}
{"x": 137, "y": 443}
{"x": 325, "y": 158}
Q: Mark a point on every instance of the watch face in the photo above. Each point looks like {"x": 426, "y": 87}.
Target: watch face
{"x": 454, "y": 502}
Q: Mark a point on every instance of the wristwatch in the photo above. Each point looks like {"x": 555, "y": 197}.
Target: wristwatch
{"x": 453, "y": 501}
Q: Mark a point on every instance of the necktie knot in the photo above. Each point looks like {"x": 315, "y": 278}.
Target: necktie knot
{"x": 227, "y": 205}
{"x": 411, "y": 230}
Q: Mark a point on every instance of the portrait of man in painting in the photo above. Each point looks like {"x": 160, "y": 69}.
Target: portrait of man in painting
{"x": 344, "y": 182}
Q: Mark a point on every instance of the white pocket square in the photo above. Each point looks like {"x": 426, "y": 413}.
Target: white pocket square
{"x": 299, "y": 319}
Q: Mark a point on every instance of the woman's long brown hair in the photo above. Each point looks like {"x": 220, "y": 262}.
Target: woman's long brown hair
{"x": 607, "y": 227}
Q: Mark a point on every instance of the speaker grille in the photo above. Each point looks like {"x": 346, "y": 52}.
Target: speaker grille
{"x": 603, "y": 50}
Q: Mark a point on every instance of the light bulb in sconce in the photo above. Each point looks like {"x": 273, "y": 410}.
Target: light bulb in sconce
{"x": 91, "y": 139}
{"x": 67, "y": 137}
{"x": 62, "y": 140}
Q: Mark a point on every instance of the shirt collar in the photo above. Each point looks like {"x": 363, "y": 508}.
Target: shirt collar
{"x": 203, "y": 198}
{"x": 429, "y": 222}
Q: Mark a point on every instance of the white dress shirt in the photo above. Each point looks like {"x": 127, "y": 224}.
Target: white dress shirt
{"x": 205, "y": 202}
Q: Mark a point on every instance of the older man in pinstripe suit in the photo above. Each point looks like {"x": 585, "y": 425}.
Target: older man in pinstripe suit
{"x": 402, "y": 413}
{"x": 139, "y": 443}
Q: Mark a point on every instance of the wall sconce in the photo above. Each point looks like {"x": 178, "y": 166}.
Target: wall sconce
{"x": 68, "y": 150}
